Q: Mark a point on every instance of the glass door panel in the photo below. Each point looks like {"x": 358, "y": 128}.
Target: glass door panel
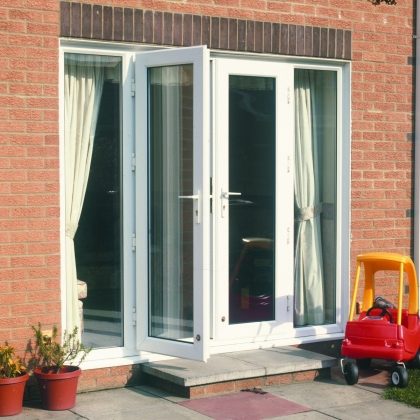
{"x": 171, "y": 220}
{"x": 252, "y": 173}
{"x": 172, "y": 104}
{"x": 253, "y": 217}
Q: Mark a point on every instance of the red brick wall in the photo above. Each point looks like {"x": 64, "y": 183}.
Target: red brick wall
{"x": 382, "y": 140}
{"x": 382, "y": 137}
{"x": 29, "y": 168}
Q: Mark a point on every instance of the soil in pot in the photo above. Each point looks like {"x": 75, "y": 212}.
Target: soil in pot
{"x": 58, "y": 390}
{"x": 11, "y": 395}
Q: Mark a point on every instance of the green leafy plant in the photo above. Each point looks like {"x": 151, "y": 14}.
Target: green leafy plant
{"x": 10, "y": 365}
{"x": 53, "y": 355}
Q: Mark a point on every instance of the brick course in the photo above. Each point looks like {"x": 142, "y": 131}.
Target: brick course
{"x": 377, "y": 38}
{"x": 154, "y": 27}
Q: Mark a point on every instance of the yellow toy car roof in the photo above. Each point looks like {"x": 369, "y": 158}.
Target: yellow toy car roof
{"x": 377, "y": 261}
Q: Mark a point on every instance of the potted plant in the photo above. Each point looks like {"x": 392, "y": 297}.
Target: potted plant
{"x": 13, "y": 378}
{"x": 56, "y": 375}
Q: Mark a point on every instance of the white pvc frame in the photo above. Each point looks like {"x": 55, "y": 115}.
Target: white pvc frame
{"x": 282, "y": 324}
{"x": 120, "y": 355}
{"x": 129, "y": 354}
{"x": 199, "y": 57}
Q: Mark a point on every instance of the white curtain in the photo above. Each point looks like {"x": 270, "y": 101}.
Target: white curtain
{"x": 83, "y": 84}
{"x": 309, "y": 294}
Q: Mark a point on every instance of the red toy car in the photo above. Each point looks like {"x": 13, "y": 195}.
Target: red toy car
{"x": 383, "y": 331}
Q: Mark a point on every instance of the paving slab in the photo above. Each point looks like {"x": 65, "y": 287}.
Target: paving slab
{"x": 380, "y": 409}
{"x": 324, "y": 394}
{"x": 33, "y": 410}
{"x": 238, "y": 365}
{"x": 105, "y": 403}
{"x": 244, "y": 406}
{"x": 161, "y": 393}
{"x": 173, "y": 412}
{"x": 130, "y": 404}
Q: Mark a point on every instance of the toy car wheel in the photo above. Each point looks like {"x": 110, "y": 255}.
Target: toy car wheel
{"x": 399, "y": 377}
{"x": 364, "y": 363}
{"x": 351, "y": 373}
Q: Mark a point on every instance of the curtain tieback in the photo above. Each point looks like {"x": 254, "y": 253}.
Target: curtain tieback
{"x": 306, "y": 213}
{"x": 71, "y": 229}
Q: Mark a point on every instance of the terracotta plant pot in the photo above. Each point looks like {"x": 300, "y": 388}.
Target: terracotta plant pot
{"x": 58, "y": 390}
{"x": 11, "y": 395}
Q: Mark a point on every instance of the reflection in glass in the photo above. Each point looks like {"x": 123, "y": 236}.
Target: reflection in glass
{"x": 171, "y": 220}
{"x": 252, "y": 150}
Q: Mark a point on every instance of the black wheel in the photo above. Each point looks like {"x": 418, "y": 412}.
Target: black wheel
{"x": 414, "y": 363}
{"x": 351, "y": 373}
{"x": 399, "y": 377}
{"x": 364, "y": 363}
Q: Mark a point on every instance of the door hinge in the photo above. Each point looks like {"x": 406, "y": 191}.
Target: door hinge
{"x": 134, "y": 316}
{"x": 288, "y": 303}
{"x": 133, "y": 242}
{"x": 133, "y": 161}
{"x": 288, "y": 163}
{"x": 288, "y": 95}
{"x": 133, "y": 87}
{"x": 288, "y": 235}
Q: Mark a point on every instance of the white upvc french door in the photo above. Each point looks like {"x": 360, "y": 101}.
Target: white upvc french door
{"x": 173, "y": 206}
{"x": 253, "y": 199}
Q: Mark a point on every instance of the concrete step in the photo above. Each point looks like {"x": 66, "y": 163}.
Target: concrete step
{"x": 229, "y": 372}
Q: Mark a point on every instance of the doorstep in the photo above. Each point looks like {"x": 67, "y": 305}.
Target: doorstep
{"x": 230, "y": 372}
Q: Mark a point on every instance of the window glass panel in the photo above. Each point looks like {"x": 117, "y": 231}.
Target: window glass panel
{"x": 315, "y": 196}
{"x": 97, "y": 242}
{"x": 171, "y": 219}
{"x": 252, "y": 173}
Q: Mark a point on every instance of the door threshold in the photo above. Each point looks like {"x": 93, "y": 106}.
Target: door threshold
{"x": 230, "y": 372}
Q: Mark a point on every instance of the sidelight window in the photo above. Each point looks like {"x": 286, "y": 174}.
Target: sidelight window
{"x": 93, "y": 198}
{"x": 315, "y": 196}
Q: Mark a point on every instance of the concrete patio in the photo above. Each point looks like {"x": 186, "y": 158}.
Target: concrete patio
{"x": 322, "y": 398}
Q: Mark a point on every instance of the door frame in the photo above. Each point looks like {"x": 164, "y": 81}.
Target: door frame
{"x": 132, "y": 298}
{"x": 283, "y": 320}
{"x": 308, "y": 333}
{"x": 199, "y": 347}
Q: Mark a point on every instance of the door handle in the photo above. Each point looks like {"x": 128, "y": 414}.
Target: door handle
{"x": 226, "y": 194}
{"x": 194, "y": 197}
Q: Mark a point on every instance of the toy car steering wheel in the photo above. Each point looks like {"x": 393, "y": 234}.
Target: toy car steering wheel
{"x": 383, "y": 312}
